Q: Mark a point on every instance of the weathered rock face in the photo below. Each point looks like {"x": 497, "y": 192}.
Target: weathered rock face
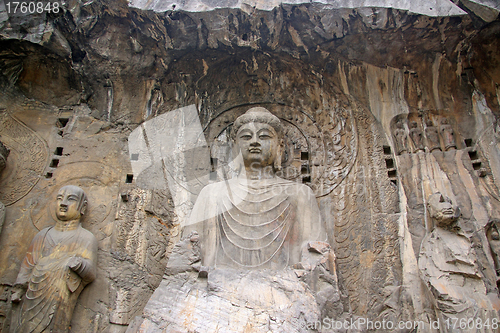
{"x": 382, "y": 107}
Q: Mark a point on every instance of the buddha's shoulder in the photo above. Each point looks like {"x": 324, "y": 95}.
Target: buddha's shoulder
{"x": 292, "y": 184}
{"x": 213, "y": 189}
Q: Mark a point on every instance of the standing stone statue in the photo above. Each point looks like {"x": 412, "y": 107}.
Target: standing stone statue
{"x": 416, "y": 136}
{"x": 257, "y": 219}
{"x": 60, "y": 261}
{"x": 431, "y": 134}
{"x": 4, "y": 152}
{"x": 448, "y": 266}
{"x": 447, "y": 134}
{"x": 493, "y": 236}
{"x": 401, "y": 139}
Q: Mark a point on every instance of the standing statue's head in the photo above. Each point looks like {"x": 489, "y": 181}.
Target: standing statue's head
{"x": 4, "y": 152}
{"x": 258, "y": 135}
{"x": 442, "y": 210}
{"x": 71, "y": 203}
{"x": 493, "y": 235}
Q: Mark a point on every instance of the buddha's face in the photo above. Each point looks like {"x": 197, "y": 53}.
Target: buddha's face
{"x": 494, "y": 240}
{"x": 442, "y": 210}
{"x": 3, "y": 162}
{"x": 258, "y": 143}
{"x": 68, "y": 203}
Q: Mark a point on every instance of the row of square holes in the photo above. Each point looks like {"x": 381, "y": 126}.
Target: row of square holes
{"x": 60, "y": 123}
{"x": 55, "y": 161}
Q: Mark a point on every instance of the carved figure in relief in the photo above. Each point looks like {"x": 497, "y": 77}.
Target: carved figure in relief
{"x": 447, "y": 134}
{"x": 400, "y": 138}
{"x": 493, "y": 236}
{"x": 4, "y": 153}
{"x": 416, "y": 136}
{"x": 257, "y": 219}
{"x": 432, "y": 136}
{"x": 447, "y": 262}
{"x": 60, "y": 261}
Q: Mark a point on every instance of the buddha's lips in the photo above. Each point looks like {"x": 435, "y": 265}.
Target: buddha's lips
{"x": 63, "y": 209}
{"x": 254, "y": 150}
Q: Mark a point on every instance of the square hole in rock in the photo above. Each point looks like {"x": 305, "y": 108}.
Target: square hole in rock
{"x": 129, "y": 178}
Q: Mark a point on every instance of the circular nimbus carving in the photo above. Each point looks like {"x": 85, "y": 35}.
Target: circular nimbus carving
{"x": 26, "y": 162}
{"x": 95, "y": 178}
{"x": 320, "y": 150}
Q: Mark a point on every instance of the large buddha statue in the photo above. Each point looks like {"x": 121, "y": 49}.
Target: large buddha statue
{"x": 252, "y": 257}
{"x": 60, "y": 261}
{"x": 256, "y": 219}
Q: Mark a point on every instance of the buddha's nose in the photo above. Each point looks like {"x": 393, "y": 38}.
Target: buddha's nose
{"x": 254, "y": 141}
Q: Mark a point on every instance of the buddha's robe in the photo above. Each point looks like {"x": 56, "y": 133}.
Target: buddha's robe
{"x": 53, "y": 287}
{"x": 255, "y": 224}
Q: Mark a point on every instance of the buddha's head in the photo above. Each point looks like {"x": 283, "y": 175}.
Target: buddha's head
{"x": 71, "y": 203}
{"x": 493, "y": 235}
{"x": 258, "y": 135}
{"x": 442, "y": 210}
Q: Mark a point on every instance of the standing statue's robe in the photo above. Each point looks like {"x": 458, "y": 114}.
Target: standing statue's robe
{"x": 255, "y": 223}
{"x": 447, "y": 262}
{"x": 53, "y": 287}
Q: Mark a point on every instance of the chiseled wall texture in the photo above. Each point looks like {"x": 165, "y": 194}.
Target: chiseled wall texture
{"x": 345, "y": 77}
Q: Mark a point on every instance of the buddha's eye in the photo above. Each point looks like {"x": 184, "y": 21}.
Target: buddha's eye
{"x": 245, "y": 137}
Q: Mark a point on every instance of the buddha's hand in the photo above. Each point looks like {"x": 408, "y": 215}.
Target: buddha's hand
{"x": 17, "y": 293}
{"x": 317, "y": 253}
{"x": 75, "y": 264}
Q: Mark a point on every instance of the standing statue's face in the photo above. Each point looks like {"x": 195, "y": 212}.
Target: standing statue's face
{"x": 494, "y": 240}
{"x": 442, "y": 210}
{"x": 258, "y": 143}
{"x": 68, "y": 204}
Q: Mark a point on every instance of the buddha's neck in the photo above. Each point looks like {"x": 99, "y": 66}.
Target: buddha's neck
{"x": 67, "y": 225}
{"x": 258, "y": 173}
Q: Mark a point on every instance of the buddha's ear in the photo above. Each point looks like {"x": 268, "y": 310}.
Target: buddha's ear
{"x": 83, "y": 207}
{"x": 277, "y": 161}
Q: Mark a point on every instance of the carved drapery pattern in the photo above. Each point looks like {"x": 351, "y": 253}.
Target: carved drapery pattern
{"x": 28, "y": 159}
{"x": 365, "y": 227}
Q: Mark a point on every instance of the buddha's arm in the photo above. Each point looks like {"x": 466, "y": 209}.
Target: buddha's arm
{"x": 30, "y": 260}
{"x": 85, "y": 264}
{"x": 309, "y": 217}
{"x": 202, "y": 220}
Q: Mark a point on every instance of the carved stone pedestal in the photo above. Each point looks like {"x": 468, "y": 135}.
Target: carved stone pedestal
{"x": 230, "y": 301}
